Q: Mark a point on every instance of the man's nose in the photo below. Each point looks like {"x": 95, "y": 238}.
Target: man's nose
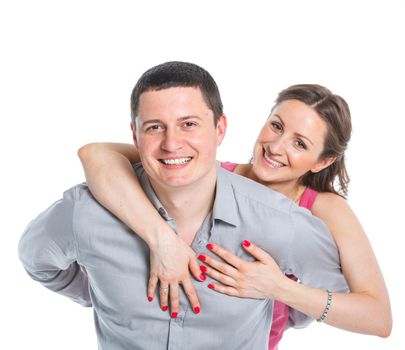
{"x": 172, "y": 141}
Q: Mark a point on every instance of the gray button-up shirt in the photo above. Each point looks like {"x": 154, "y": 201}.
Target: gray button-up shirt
{"x": 78, "y": 249}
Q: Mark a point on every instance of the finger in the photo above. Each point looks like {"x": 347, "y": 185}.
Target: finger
{"x": 224, "y": 289}
{"x": 152, "y": 287}
{"x": 174, "y": 300}
{"x": 195, "y": 269}
{"x": 256, "y": 252}
{"x": 191, "y": 295}
{"x": 164, "y": 290}
{"x": 218, "y": 276}
{"x": 226, "y": 255}
{"x": 223, "y": 267}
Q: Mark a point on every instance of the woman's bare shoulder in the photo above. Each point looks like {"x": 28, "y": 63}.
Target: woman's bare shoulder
{"x": 330, "y": 206}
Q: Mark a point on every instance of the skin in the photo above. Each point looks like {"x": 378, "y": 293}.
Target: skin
{"x": 288, "y": 146}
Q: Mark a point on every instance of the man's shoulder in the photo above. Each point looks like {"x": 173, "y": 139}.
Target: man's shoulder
{"x": 250, "y": 191}
{"x": 82, "y": 199}
{"x": 79, "y": 192}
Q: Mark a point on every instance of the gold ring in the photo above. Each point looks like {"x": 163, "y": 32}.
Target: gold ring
{"x": 164, "y": 290}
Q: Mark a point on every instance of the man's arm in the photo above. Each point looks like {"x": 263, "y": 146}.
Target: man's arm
{"x": 314, "y": 259}
{"x": 314, "y": 256}
{"x": 48, "y": 251}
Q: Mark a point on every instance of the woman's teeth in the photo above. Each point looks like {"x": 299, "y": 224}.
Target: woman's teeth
{"x": 272, "y": 162}
{"x": 176, "y": 161}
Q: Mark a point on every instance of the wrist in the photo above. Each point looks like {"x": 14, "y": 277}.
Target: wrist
{"x": 157, "y": 235}
{"x": 284, "y": 290}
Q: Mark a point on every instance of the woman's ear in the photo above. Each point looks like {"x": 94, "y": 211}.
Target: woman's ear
{"x": 322, "y": 164}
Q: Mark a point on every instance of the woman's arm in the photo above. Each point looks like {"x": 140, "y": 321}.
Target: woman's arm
{"x": 112, "y": 181}
{"x": 366, "y": 309}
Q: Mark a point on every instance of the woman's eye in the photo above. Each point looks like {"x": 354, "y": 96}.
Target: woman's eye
{"x": 301, "y": 144}
{"x": 276, "y": 126}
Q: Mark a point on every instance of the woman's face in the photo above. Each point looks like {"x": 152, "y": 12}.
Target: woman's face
{"x": 289, "y": 144}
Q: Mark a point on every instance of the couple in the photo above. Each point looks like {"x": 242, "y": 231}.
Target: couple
{"x": 79, "y": 249}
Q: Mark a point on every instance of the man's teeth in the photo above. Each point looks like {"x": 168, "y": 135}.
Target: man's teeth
{"x": 272, "y": 162}
{"x": 176, "y": 161}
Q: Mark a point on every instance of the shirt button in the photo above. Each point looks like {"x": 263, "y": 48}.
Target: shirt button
{"x": 162, "y": 212}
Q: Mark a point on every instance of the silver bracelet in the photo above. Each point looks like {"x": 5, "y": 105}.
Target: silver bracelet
{"x": 327, "y": 308}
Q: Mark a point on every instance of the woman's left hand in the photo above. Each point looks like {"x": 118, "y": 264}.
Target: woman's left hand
{"x": 259, "y": 279}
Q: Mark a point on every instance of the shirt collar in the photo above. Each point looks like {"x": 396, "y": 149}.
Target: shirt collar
{"x": 149, "y": 191}
{"x": 225, "y": 206}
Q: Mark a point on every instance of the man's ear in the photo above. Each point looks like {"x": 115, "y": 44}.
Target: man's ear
{"x": 221, "y": 128}
{"x": 133, "y": 129}
{"x": 322, "y": 164}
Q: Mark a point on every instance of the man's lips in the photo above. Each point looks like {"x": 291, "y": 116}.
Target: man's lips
{"x": 175, "y": 161}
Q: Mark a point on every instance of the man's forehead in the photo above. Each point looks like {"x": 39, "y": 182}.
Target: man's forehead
{"x": 173, "y": 103}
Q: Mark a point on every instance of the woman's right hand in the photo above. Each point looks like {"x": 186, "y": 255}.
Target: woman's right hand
{"x": 171, "y": 261}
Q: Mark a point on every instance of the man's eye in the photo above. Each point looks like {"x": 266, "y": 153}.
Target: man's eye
{"x": 153, "y": 127}
{"x": 189, "y": 124}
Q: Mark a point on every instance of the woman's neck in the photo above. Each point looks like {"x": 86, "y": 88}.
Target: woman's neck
{"x": 291, "y": 189}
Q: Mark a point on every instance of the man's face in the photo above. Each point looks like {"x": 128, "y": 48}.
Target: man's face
{"x": 176, "y": 136}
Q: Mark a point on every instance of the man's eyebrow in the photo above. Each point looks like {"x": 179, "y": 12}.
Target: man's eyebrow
{"x": 152, "y": 121}
{"x": 180, "y": 119}
{"x": 189, "y": 117}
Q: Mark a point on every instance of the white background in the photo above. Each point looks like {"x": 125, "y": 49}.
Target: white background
{"x": 66, "y": 73}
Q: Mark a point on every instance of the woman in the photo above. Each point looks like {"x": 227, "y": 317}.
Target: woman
{"x": 300, "y": 153}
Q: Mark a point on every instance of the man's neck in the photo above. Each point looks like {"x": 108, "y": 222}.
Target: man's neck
{"x": 189, "y": 205}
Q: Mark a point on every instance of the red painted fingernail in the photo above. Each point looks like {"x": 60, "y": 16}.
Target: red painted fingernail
{"x": 202, "y": 276}
{"x": 246, "y": 243}
{"x": 210, "y": 285}
{"x": 202, "y": 257}
{"x": 174, "y": 314}
{"x": 203, "y": 268}
{"x": 210, "y": 246}
{"x": 197, "y": 309}
{"x": 150, "y": 299}
{"x": 164, "y": 308}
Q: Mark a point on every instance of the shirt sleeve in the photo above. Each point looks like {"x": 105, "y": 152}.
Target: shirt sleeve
{"x": 48, "y": 251}
{"x": 297, "y": 319}
{"x": 314, "y": 256}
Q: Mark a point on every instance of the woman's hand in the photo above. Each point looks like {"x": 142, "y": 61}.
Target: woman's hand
{"x": 171, "y": 261}
{"x": 259, "y": 279}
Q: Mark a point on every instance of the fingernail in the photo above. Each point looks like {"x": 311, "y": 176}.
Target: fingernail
{"x": 202, "y": 276}
{"x": 210, "y": 285}
{"x": 174, "y": 314}
{"x": 197, "y": 309}
{"x": 203, "y": 268}
{"x": 202, "y": 257}
{"x": 150, "y": 299}
{"x": 246, "y": 243}
{"x": 164, "y": 308}
{"x": 210, "y": 246}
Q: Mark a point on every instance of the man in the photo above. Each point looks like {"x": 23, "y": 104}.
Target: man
{"x": 78, "y": 249}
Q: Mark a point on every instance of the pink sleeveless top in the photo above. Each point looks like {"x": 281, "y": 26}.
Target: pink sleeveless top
{"x": 280, "y": 310}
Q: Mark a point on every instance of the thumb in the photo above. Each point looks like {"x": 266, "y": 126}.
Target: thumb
{"x": 194, "y": 267}
{"x": 256, "y": 252}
